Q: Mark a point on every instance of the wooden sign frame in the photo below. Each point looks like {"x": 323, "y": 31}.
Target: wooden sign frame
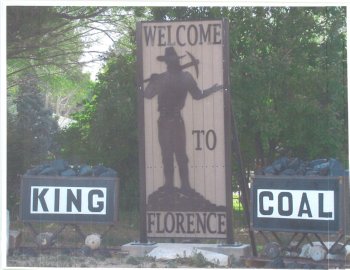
{"x": 167, "y": 53}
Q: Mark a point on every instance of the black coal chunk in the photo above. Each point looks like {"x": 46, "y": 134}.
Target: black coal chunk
{"x": 61, "y": 167}
{"x": 296, "y": 166}
{"x": 85, "y": 170}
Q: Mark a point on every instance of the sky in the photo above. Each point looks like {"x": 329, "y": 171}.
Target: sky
{"x": 102, "y": 45}
{"x": 93, "y": 68}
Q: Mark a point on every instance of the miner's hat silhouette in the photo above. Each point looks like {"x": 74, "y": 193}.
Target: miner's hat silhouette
{"x": 170, "y": 55}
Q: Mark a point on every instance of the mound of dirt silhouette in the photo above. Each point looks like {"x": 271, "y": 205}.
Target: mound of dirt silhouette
{"x": 176, "y": 199}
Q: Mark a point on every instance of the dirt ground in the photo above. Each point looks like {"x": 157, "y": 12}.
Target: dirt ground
{"x": 70, "y": 250}
{"x": 60, "y": 259}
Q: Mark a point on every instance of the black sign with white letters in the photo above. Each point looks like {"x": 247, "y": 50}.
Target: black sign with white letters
{"x": 299, "y": 204}
{"x": 69, "y": 199}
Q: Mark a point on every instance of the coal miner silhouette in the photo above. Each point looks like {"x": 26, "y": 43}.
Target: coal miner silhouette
{"x": 172, "y": 87}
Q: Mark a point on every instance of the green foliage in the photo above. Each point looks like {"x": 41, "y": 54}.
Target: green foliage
{"x": 237, "y": 204}
{"x": 288, "y": 78}
{"x": 30, "y": 133}
{"x": 283, "y": 66}
{"x": 106, "y": 130}
{"x": 64, "y": 93}
{"x": 196, "y": 259}
{"x": 288, "y": 82}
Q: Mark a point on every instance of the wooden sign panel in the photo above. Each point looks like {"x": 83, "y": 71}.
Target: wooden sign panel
{"x": 184, "y": 123}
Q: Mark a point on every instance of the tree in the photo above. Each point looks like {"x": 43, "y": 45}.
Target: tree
{"x": 287, "y": 77}
{"x": 30, "y": 133}
{"x": 50, "y": 37}
{"x": 284, "y": 102}
{"x": 288, "y": 81}
{"x": 106, "y": 128}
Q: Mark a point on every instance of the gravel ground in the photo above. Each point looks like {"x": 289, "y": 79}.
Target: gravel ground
{"x": 64, "y": 258}
{"x": 102, "y": 258}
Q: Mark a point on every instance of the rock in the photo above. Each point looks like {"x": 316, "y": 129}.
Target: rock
{"x": 97, "y": 170}
{"x": 294, "y": 163}
{"x": 295, "y": 166}
{"x": 49, "y": 171}
{"x": 336, "y": 168}
{"x": 269, "y": 170}
{"x": 316, "y": 162}
{"x": 59, "y": 165}
{"x": 68, "y": 172}
{"x": 172, "y": 253}
{"x": 85, "y": 170}
{"x": 322, "y": 169}
{"x": 37, "y": 169}
{"x": 109, "y": 173}
{"x": 302, "y": 169}
{"x": 280, "y": 164}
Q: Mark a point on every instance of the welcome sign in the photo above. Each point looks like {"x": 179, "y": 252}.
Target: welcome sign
{"x": 184, "y": 124}
{"x": 304, "y": 204}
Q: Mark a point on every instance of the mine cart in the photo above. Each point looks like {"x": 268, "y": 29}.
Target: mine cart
{"x": 302, "y": 219}
{"x": 68, "y": 201}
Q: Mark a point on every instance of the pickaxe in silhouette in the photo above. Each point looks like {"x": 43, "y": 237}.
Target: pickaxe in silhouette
{"x": 194, "y": 62}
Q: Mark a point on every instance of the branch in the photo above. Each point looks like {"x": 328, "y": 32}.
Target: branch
{"x": 82, "y": 16}
{"x": 56, "y": 55}
{"x": 103, "y": 31}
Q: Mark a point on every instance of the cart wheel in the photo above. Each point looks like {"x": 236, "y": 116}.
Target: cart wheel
{"x": 44, "y": 240}
{"x": 317, "y": 253}
{"x": 93, "y": 241}
{"x": 272, "y": 250}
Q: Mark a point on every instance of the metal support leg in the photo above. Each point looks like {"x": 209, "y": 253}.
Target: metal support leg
{"x": 321, "y": 241}
{"x": 32, "y": 229}
{"x": 332, "y": 249}
{"x": 78, "y": 230}
{"x": 301, "y": 240}
{"x": 277, "y": 238}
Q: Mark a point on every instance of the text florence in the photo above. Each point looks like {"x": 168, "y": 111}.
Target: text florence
{"x": 181, "y": 223}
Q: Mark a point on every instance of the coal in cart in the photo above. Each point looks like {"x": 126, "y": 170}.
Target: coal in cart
{"x": 69, "y": 197}
{"x": 302, "y": 219}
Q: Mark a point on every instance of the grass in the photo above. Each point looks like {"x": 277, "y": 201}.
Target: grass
{"x": 237, "y": 205}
